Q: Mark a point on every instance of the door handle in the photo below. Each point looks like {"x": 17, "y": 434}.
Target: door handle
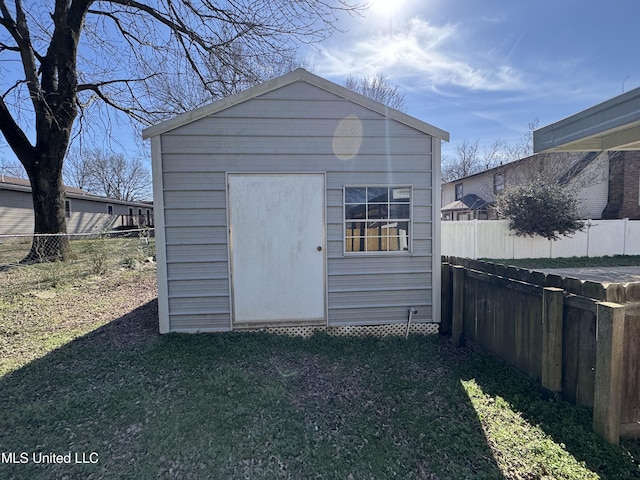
{"x": 319, "y": 248}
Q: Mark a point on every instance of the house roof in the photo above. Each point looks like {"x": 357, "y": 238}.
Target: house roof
{"x": 610, "y": 125}
{"x": 299, "y": 75}
{"x": 470, "y": 201}
{"x": 24, "y": 185}
{"x": 575, "y": 166}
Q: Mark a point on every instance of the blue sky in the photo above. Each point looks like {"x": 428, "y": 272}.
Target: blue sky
{"x": 486, "y": 69}
{"x": 482, "y": 69}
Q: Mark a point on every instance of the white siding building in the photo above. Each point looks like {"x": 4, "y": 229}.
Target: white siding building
{"x": 85, "y": 213}
{"x": 586, "y": 174}
{"x": 297, "y": 203}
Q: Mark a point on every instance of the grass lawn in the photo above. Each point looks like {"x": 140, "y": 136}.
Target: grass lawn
{"x": 99, "y": 383}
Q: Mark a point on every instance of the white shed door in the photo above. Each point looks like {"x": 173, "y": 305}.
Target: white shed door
{"x": 277, "y": 247}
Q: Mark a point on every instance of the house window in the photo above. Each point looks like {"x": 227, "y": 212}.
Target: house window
{"x": 377, "y": 219}
{"x": 110, "y": 209}
{"x": 458, "y": 191}
{"x": 67, "y": 209}
{"x": 498, "y": 183}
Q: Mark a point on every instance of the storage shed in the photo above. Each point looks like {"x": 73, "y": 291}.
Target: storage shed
{"x": 297, "y": 204}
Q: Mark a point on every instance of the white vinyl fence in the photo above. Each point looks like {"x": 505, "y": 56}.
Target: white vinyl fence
{"x": 493, "y": 239}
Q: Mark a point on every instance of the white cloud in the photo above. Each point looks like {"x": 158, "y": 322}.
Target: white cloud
{"x": 437, "y": 57}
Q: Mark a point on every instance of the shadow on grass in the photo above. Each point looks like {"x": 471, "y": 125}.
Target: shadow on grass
{"x": 567, "y": 424}
{"x": 125, "y": 402}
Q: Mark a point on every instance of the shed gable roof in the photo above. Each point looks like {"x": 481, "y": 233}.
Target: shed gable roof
{"x": 299, "y": 75}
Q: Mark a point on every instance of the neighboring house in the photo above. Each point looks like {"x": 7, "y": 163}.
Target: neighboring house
{"x": 85, "y": 212}
{"x": 297, "y": 203}
{"x": 597, "y": 178}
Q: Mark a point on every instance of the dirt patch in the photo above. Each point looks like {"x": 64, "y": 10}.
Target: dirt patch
{"x": 33, "y": 321}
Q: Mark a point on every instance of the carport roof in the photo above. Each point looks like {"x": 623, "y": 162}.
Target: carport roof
{"x": 610, "y": 125}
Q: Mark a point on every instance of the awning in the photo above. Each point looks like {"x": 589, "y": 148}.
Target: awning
{"x": 611, "y": 125}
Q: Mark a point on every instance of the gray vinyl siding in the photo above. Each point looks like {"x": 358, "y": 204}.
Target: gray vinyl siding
{"x": 90, "y": 216}
{"x": 291, "y": 130}
{"x": 86, "y": 216}
{"x": 16, "y": 213}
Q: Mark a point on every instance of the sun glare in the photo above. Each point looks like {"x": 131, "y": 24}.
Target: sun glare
{"x": 385, "y": 8}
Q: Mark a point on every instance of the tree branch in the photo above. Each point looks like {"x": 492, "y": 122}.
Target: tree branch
{"x": 15, "y": 85}
{"x": 168, "y": 22}
{"x": 4, "y": 46}
{"x": 136, "y": 113}
{"x": 92, "y": 86}
{"x": 14, "y": 135}
{"x": 19, "y": 31}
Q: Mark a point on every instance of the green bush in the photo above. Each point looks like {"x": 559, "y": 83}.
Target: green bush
{"x": 539, "y": 208}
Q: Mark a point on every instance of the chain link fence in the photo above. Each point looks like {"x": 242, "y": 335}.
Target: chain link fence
{"x": 97, "y": 251}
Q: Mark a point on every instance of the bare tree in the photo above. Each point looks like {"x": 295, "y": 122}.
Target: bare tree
{"x": 378, "y": 89}
{"x": 523, "y": 148}
{"x": 544, "y": 167}
{"x": 494, "y": 154}
{"x": 11, "y": 168}
{"x": 468, "y": 161}
{"x": 109, "y": 175}
{"x": 77, "y": 56}
{"x": 76, "y": 172}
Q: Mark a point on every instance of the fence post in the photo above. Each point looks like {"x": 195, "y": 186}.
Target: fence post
{"x": 457, "y": 304}
{"x": 475, "y": 239}
{"x": 608, "y": 376}
{"x": 552, "y": 319}
{"x": 445, "y": 298}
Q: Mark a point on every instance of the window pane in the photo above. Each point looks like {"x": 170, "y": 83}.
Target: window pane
{"x": 352, "y": 212}
{"x": 378, "y": 210}
{"x": 458, "y": 188}
{"x": 400, "y": 195}
{"x": 376, "y": 237}
{"x": 355, "y": 195}
{"x": 399, "y": 211}
{"x": 403, "y": 235}
{"x": 377, "y": 194}
{"x": 355, "y": 236}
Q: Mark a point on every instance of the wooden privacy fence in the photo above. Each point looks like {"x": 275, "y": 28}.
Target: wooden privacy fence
{"x": 580, "y": 339}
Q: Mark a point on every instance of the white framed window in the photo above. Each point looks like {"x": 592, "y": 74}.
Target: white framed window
{"x": 498, "y": 183}
{"x": 459, "y": 191}
{"x": 109, "y": 209}
{"x": 67, "y": 209}
{"x": 377, "y": 219}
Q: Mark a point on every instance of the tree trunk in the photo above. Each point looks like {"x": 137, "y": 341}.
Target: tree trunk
{"x": 50, "y": 242}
